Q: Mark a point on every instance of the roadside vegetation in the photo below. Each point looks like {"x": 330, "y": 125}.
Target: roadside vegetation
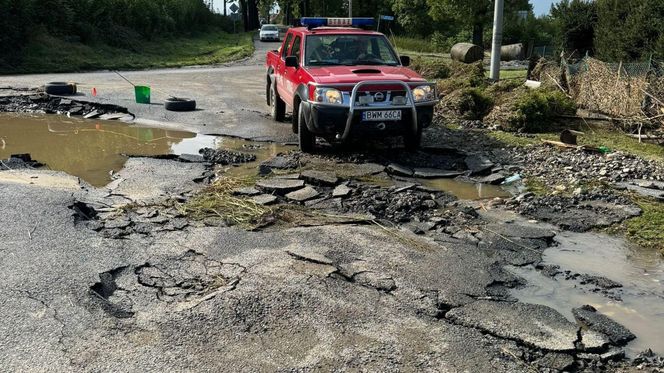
{"x": 648, "y": 229}
{"x": 48, "y": 54}
{"x": 69, "y": 35}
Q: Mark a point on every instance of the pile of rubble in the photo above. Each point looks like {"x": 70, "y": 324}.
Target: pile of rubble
{"x": 42, "y": 103}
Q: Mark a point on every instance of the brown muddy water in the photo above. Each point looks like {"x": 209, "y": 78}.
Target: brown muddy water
{"x": 90, "y": 149}
{"x": 464, "y": 190}
{"x": 94, "y": 149}
{"x": 640, "y": 270}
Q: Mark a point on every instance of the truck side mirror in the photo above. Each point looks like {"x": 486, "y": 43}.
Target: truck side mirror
{"x": 291, "y": 61}
{"x": 405, "y": 60}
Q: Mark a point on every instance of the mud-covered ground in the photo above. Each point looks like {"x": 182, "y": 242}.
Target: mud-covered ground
{"x": 350, "y": 259}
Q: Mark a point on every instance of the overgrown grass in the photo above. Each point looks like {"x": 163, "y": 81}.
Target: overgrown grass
{"x": 509, "y": 138}
{"x": 647, "y": 230}
{"x": 511, "y": 74}
{"x": 218, "y": 201}
{"x": 49, "y": 54}
{"x": 616, "y": 140}
{"x": 613, "y": 139}
{"x": 405, "y": 44}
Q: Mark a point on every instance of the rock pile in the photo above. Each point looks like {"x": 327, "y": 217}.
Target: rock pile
{"x": 555, "y": 167}
{"x": 225, "y": 157}
{"x": 19, "y": 161}
{"x": 43, "y": 103}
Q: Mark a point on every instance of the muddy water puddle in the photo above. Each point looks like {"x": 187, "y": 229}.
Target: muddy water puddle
{"x": 94, "y": 149}
{"x": 639, "y": 270}
{"x": 465, "y": 190}
{"x": 90, "y": 149}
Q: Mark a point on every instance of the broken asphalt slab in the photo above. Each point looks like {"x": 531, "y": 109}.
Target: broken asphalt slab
{"x": 302, "y": 195}
{"x": 320, "y": 177}
{"x": 280, "y": 186}
{"x": 646, "y": 188}
{"x": 534, "y": 325}
{"x": 590, "y": 318}
{"x": 478, "y": 164}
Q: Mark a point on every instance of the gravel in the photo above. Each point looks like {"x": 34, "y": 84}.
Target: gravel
{"x": 225, "y": 157}
{"x": 556, "y": 167}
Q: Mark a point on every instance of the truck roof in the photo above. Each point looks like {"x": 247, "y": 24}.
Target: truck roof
{"x": 326, "y": 30}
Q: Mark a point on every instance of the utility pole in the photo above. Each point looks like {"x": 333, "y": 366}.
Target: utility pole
{"x": 497, "y": 40}
{"x": 350, "y": 8}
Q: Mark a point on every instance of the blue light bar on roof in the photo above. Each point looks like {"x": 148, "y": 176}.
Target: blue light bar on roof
{"x": 312, "y": 22}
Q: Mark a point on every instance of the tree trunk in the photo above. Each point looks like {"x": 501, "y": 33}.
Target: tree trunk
{"x": 289, "y": 15}
{"x": 245, "y": 15}
{"x": 254, "y": 18}
{"x": 478, "y": 34}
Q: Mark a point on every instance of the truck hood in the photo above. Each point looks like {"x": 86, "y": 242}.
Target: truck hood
{"x": 354, "y": 74}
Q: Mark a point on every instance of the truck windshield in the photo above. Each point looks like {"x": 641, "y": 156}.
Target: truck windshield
{"x": 270, "y": 28}
{"x": 348, "y": 49}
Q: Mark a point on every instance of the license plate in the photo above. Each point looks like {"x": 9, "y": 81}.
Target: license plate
{"x": 379, "y": 116}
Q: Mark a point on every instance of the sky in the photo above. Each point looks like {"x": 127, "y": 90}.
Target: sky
{"x": 542, "y": 7}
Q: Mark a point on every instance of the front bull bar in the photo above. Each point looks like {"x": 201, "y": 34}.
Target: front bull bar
{"x": 353, "y": 98}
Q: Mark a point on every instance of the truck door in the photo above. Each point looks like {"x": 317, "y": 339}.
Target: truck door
{"x": 281, "y": 65}
{"x": 291, "y": 80}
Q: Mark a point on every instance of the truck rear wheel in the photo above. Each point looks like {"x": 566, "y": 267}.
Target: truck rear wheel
{"x": 277, "y": 104}
{"x": 307, "y": 139}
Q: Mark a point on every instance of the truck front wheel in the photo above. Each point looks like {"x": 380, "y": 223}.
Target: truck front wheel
{"x": 278, "y": 106}
{"x": 307, "y": 139}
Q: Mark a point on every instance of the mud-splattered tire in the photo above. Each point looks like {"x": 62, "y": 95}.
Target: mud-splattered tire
{"x": 60, "y": 88}
{"x": 412, "y": 141}
{"x": 278, "y": 106}
{"x": 306, "y": 138}
{"x": 180, "y": 104}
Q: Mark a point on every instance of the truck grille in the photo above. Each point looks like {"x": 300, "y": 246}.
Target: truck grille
{"x": 381, "y": 96}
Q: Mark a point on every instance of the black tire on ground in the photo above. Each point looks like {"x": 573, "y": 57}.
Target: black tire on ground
{"x": 60, "y": 88}
{"x": 307, "y": 139}
{"x": 412, "y": 140}
{"x": 278, "y": 106}
{"x": 180, "y": 104}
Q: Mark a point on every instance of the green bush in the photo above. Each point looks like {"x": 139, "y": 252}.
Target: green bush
{"x": 536, "y": 110}
{"x": 475, "y": 103}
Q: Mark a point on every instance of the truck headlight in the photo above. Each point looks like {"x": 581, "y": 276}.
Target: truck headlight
{"x": 328, "y": 96}
{"x": 424, "y": 93}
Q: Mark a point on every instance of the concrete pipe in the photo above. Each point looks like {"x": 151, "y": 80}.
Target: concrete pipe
{"x": 513, "y": 52}
{"x": 467, "y": 52}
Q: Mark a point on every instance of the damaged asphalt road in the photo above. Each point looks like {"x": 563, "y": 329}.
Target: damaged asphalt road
{"x": 195, "y": 297}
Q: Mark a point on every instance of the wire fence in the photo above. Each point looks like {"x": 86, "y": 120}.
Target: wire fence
{"x": 631, "y": 69}
{"x": 633, "y": 90}
{"x": 546, "y": 51}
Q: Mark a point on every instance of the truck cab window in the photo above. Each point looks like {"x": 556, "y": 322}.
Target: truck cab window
{"x": 295, "y": 50}
{"x": 286, "y": 46}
